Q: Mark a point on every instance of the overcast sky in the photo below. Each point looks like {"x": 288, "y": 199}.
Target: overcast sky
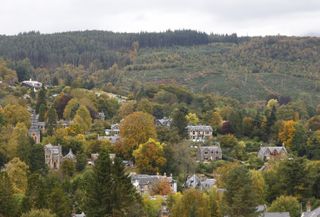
{"x": 244, "y": 17}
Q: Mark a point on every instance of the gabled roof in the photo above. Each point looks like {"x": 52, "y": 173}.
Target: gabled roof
{"x": 271, "y": 149}
{"x": 194, "y": 181}
{"x": 70, "y": 155}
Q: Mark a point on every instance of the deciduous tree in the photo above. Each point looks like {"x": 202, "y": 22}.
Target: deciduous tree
{"x": 149, "y": 157}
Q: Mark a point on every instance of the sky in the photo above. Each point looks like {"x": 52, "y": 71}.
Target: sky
{"x": 244, "y": 17}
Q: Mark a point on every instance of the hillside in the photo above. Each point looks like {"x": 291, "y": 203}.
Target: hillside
{"x": 245, "y": 68}
{"x": 250, "y": 70}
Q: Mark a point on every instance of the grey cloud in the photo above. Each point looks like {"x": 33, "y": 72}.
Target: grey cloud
{"x": 253, "y": 17}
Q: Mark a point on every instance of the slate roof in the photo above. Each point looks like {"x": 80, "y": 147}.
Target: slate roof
{"x": 314, "y": 213}
{"x": 70, "y": 155}
{"x": 271, "y": 149}
{"x": 199, "y": 128}
{"x": 276, "y": 214}
{"x": 144, "y": 179}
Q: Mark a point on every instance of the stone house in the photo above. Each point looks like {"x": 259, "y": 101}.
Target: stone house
{"x": 144, "y": 183}
{"x": 272, "y": 152}
{"x": 200, "y": 182}
{"x": 54, "y": 157}
{"x": 164, "y": 122}
{"x": 209, "y": 153}
{"x": 199, "y": 133}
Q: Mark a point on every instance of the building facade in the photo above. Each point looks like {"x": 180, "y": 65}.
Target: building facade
{"x": 53, "y": 156}
{"x": 199, "y": 133}
{"x": 267, "y": 153}
{"x": 209, "y": 153}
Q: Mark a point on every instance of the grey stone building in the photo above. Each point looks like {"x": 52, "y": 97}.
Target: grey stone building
{"x": 36, "y": 128}
{"x": 272, "y": 152}
{"x": 53, "y": 156}
{"x": 209, "y": 153}
{"x": 199, "y": 133}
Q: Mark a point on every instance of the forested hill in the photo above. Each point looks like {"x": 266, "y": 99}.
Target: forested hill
{"x": 246, "y": 68}
{"x": 81, "y": 48}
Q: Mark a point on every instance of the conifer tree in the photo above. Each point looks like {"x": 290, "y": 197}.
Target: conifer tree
{"x": 241, "y": 201}
{"x": 41, "y": 100}
{"x": 42, "y": 112}
{"x": 52, "y": 120}
{"x": 109, "y": 191}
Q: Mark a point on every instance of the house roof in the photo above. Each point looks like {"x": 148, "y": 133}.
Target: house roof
{"x": 70, "y": 155}
{"x": 53, "y": 149}
{"x": 144, "y": 179}
{"x": 313, "y": 213}
{"x": 276, "y": 214}
{"x": 193, "y": 181}
{"x": 210, "y": 148}
{"x": 199, "y": 128}
{"x": 271, "y": 149}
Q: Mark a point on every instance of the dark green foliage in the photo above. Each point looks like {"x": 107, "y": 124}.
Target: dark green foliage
{"x": 42, "y": 112}
{"x": 36, "y": 161}
{"x": 60, "y": 103}
{"x": 23, "y": 68}
{"x": 299, "y": 140}
{"x": 59, "y": 203}
{"x": 25, "y": 150}
{"x": 81, "y": 161}
{"x": 41, "y": 100}
{"x": 109, "y": 190}
{"x": 290, "y": 178}
{"x": 52, "y": 49}
{"x": 240, "y": 199}
{"x": 179, "y": 121}
{"x": 271, "y": 119}
{"x": 51, "y": 120}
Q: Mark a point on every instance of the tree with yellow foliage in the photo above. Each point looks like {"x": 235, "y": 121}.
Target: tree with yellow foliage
{"x": 136, "y": 129}
{"x": 149, "y": 157}
{"x": 14, "y": 113}
{"x": 192, "y": 118}
{"x": 286, "y": 132}
{"x": 17, "y": 171}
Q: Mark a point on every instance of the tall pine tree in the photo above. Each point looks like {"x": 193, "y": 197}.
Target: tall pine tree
{"x": 241, "y": 201}
{"x": 109, "y": 191}
{"x": 52, "y": 120}
{"x": 41, "y": 100}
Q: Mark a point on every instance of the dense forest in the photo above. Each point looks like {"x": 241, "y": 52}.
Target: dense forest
{"x": 146, "y": 90}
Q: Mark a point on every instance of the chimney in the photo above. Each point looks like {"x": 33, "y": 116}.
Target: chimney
{"x": 308, "y": 206}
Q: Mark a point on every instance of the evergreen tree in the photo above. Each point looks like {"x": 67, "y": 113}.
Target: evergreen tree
{"x": 59, "y": 202}
{"x": 42, "y": 112}
{"x": 52, "y": 120}
{"x": 98, "y": 192}
{"x": 124, "y": 195}
{"x": 271, "y": 120}
{"x": 36, "y": 160}
{"x": 41, "y": 100}
{"x": 241, "y": 201}
{"x": 110, "y": 192}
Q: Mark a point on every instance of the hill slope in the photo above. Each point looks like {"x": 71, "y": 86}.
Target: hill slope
{"x": 248, "y": 69}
